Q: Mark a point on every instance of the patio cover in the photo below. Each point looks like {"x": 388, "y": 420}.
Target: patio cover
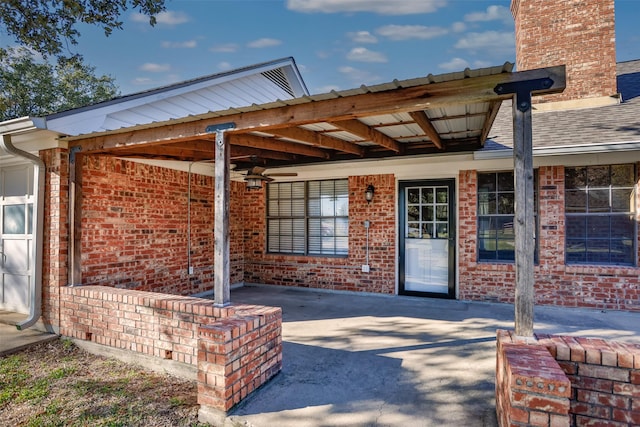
{"x": 435, "y": 114}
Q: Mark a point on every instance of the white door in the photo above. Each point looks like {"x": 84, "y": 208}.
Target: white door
{"x": 427, "y": 238}
{"x": 16, "y": 237}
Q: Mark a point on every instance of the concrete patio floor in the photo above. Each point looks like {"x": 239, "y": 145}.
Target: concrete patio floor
{"x": 364, "y": 360}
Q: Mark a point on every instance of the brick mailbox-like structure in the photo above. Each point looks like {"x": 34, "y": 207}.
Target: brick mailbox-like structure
{"x": 567, "y": 381}
{"x": 236, "y": 349}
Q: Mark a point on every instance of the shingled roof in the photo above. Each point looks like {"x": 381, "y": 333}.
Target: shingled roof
{"x": 619, "y": 123}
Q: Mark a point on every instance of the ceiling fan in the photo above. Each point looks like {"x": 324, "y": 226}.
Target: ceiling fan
{"x": 256, "y": 175}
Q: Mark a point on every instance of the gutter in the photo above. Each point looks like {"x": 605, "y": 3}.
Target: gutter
{"x": 35, "y": 308}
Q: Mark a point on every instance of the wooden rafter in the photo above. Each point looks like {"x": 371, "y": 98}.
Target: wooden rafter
{"x": 320, "y": 140}
{"x": 246, "y": 140}
{"x": 363, "y": 131}
{"x": 421, "y": 119}
{"x": 250, "y": 152}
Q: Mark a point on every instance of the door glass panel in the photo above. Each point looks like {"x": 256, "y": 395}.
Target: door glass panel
{"x": 13, "y": 221}
{"x": 16, "y": 182}
{"x": 426, "y": 243}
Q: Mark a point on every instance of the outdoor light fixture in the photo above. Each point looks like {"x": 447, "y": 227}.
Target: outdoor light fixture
{"x": 254, "y": 182}
{"x": 368, "y": 193}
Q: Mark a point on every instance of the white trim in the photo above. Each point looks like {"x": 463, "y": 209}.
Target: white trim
{"x": 563, "y": 150}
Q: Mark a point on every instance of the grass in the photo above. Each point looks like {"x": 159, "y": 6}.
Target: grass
{"x": 58, "y": 384}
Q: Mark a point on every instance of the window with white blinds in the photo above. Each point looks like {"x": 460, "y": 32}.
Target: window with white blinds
{"x": 308, "y": 217}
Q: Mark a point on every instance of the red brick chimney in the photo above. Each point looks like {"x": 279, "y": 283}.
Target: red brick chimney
{"x": 577, "y": 33}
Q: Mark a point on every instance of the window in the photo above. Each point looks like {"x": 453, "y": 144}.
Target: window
{"x": 496, "y": 201}
{"x": 427, "y": 212}
{"x": 308, "y": 217}
{"x": 599, "y": 207}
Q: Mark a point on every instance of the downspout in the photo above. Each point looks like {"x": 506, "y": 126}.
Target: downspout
{"x": 35, "y": 308}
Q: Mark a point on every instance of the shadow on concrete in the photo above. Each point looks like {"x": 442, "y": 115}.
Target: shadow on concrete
{"x": 366, "y": 360}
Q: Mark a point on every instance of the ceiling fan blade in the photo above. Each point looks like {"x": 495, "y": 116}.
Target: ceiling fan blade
{"x": 256, "y": 170}
{"x": 281, "y": 174}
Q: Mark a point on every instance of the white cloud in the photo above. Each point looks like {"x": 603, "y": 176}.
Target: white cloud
{"x": 155, "y": 68}
{"x": 489, "y": 41}
{"x": 189, "y": 44}
{"x": 169, "y": 18}
{"x": 264, "y": 42}
{"x": 458, "y": 27}
{"x": 224, "y": 65}
{"x": 357, "y": 76}
{"x": 493, "y": 13}
{"x": 362, "y": 54}
{"x": 362, "y": 37}
{"x": 172, "y": 18}
{"x": 142, "y": 81}
{"x": 455, "y": 64}
{"x": 381, "y": 7}
{"x": 406, "y": 32}
{"x": 225, "y": 48}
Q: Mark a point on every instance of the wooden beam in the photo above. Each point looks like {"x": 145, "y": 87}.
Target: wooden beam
{"x": 237, "y": 151}
{"x": 421, "y": 119}
{"x": 524, "y": 220}
{"x": 276, "y": 145}
{"x": 363, "y": 131}
{"x": 221, "y": 233}
{"x": 320, "y": 140}
{"x": 75, "y": 218}
{"x": 163, "y": 151}
{"x": 420, "y": 97}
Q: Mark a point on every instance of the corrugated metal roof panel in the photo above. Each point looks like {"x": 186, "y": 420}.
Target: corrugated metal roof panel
{"x": 346, "y": 136}
{"x": 401, "y": 130}
{"x": 319, "y": 127}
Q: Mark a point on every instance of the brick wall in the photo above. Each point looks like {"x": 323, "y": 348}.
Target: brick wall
{"x": 531, "y": 388}
{"x": 578, "y": 33}
{"x": 235, "y": 357}
{"x": 604, "y": 379}
{"x": 602, "y": 287}
{"x": 135, "y": 227}
{"x": 236, "y": 348}
{"x": 336, "y": 273}
{"x": 155, "y": 324}
{"x": 56, "y": 235}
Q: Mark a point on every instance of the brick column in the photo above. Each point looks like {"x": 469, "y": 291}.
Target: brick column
{"x": 237, "y": 355}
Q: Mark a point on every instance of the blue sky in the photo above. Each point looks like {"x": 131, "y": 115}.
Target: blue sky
{"x": 337, "y": 44}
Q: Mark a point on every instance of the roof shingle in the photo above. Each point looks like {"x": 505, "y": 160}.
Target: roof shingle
{"x": 585, "y": 126}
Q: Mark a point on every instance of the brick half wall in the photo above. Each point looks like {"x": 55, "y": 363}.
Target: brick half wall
{"x": 532, "y": 379}
{"x": 235, "y": 348}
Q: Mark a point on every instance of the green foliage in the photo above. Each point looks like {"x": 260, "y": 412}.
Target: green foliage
{"x": 29, "y": 87}
{"x": 58, "y": 373}
{"x": 67, "y": 344}
{"x": 47, "y": 26}
{"x": 14, "y": 379}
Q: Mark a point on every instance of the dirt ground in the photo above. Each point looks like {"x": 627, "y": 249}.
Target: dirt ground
{"x": 58, "y": 384}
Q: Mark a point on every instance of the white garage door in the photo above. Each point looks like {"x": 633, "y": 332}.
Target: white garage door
{"x": 16, "y": 238}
